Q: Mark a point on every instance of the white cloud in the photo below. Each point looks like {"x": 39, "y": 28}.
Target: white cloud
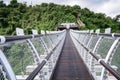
{"x": 109, "y": 7}
{"x": 6, "y": 1}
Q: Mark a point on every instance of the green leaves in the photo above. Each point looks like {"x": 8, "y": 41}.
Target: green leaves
{"x": 98, "y": 20}
{"x": 13, "y": 3}
{"x": 48, "y": 16}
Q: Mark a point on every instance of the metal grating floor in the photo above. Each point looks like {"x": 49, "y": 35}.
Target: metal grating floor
{"x": 70, "y": 65}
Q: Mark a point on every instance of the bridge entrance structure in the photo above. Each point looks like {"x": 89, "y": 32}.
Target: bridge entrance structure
{"x": 63, "y": 26}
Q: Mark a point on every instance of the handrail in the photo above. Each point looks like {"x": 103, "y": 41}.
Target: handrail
{"x": 15, "y": 38}
{"x": 109, "y": 68}
{"x": 109, "y": 35}
{"x": 40, "y": 66}
{"x": 102, "y": 34}
{"x": 23, "y": 37}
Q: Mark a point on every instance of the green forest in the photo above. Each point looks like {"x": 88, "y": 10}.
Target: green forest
{"x": 47, "y": 16}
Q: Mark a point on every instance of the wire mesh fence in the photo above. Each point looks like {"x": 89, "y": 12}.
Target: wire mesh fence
{"x": 103, "y": 47}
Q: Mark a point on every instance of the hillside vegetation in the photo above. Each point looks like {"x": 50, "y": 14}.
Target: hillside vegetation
{"x": 47, "y": 16}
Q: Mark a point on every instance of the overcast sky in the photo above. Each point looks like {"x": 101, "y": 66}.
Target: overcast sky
{"x": 109, "y": 7}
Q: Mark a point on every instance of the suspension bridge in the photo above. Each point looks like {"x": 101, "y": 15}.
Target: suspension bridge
{"x": 60, "y": 55}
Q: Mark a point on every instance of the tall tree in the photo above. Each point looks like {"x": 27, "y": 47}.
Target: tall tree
{"x": 13, "y": 3}
{"x": 117, "y": 18}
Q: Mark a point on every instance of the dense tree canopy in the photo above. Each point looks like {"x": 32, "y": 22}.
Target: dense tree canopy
{"x": 48, "y": 16}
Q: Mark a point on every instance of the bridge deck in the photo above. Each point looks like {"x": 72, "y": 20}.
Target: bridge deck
{"x": 70, "y": 65}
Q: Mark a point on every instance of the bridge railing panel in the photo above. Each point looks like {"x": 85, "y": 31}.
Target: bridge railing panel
{"x": 48, "y": 42}
{"x": 99, "y": 51}
{"x": 104, "y": 47}
{"x": 20, "y": 57}
{"x": 5, "y": 69}
{"x": 39, "y": 47}
{"x": 93, "y": 42}
{"x": 27, "y": 52}
{"x": 116, "y": 58}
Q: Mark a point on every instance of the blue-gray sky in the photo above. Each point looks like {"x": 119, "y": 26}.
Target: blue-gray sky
{"x": 109, "y": 7}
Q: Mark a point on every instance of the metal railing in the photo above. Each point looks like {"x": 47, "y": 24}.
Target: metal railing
{"x": 30, "y": 56}
{"x": 35, "y": 56}
{"x": 98, "y": 49}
